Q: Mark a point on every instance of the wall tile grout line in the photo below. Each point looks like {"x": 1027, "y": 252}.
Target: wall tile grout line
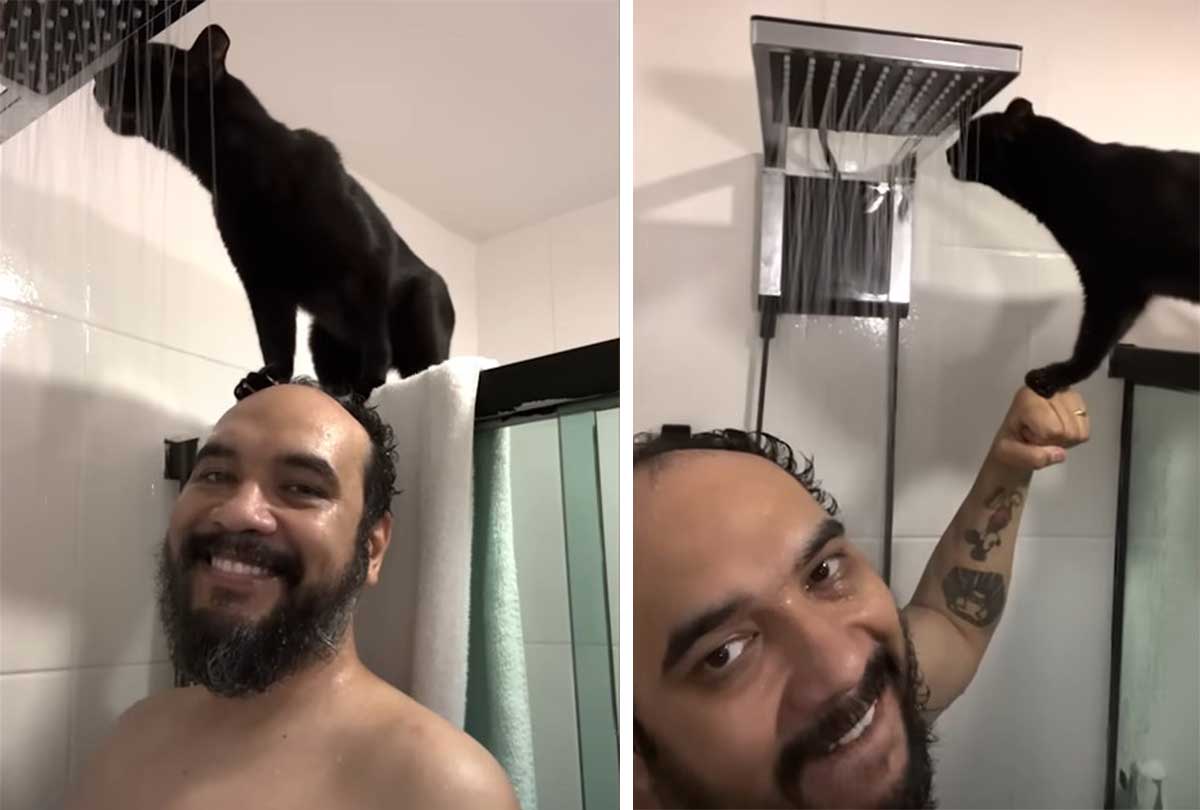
{"x": 80, "y": 668}
{"x": 40, "y": 310}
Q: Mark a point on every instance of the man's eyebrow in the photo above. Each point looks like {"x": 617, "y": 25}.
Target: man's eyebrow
{"x": 828, "y": 531}
{"x": 688, "y": 633}
{"x": 311, "y": 463}
{"x": 215, "y": 450}
{"x": 685, "y": 635}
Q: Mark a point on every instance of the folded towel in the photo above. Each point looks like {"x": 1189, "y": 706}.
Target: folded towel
{"x": 412, "y": 629}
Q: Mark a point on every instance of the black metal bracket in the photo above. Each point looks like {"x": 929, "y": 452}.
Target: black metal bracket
{"x": 179, "y": 457}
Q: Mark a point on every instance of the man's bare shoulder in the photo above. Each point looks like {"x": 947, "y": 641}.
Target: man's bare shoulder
{"x": 414, "y": 750}
{"x": 139, "y": 731}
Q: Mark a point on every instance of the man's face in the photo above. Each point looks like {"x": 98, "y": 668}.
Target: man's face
{"x": 264, "y": 556}
{"x": 770, "y": 662}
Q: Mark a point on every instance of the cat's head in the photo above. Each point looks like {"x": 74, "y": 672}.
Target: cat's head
{"x": 149, "y": 80}
{"x": 990, "y": 148}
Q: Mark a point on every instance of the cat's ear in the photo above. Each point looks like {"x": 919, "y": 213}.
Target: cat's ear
{"x": 1019, "y": 108}
{"x": 209, "y": 51}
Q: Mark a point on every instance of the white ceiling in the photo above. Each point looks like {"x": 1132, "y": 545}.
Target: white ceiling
{"x": 487, "y": 116}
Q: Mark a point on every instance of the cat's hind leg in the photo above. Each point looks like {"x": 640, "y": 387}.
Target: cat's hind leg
{"x": 421, "y": 323}
{"x": 338, "y": 364}
{"x": 1106, "y": 318}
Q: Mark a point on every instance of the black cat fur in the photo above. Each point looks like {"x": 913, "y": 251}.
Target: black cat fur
{"x": 299, "y": 230}
{"x": 1128, "y": 216}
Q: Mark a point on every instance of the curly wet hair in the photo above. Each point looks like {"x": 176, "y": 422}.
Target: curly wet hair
{"x": 652, "y": 448}
{"x": 379, "y": 478}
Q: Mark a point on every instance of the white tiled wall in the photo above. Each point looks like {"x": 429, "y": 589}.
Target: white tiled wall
{"x": 551, "y": 286}
{"x": 992, "y": 296}
{"x": 1030, "y": 730}
{"x": 122, "y": 323}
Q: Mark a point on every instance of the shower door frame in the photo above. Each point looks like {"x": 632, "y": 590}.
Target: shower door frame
{"x": 1156, "y": 368}
{"x": 561, "y": 386}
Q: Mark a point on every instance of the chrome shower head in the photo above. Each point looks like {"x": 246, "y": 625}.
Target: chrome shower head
{"x": 51, "y": 48}
{"x": 836, "y": 234}
{"x": 843, "y": 79}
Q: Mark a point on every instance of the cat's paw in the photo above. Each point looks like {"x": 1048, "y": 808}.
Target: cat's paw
{"x": 365, "y": 387}
{"x": 1044, "y": 382}
{"x": 253, "y": 382}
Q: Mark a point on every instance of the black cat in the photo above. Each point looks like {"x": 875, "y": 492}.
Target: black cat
{"x": 1129, "y": 218}
{"x": 300, "y": 231}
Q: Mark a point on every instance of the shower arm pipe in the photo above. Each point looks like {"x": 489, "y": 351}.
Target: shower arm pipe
{"x": 773, "y": 182}
{"x": 889, "y": 469}
{"x": 769, "y": 318}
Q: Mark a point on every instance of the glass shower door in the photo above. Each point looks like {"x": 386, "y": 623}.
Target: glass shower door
{"x": 564, "y": 482}
{"x": 1158, "y": 727}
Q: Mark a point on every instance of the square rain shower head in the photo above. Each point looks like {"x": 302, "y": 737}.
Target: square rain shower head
{"x": 51, "y": 48}
{"x": 846, "y": 79}
{"x": 836, "y": 233}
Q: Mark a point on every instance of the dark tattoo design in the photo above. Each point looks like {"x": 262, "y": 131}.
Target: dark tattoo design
{"x": 1002, "y": 503}
{"x": 974, "y": 596}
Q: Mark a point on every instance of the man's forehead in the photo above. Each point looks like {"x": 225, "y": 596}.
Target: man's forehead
{"x": 721, "y": 486}
{"x": 701, "y": 517}
{"x": 292, "y": 418}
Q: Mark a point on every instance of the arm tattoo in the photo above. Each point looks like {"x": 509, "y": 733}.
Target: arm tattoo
{"x": 1002, "y": 503}
{"x": 974, "y": 596}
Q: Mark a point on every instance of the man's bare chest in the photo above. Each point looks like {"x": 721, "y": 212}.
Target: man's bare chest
{"x": 262, "y": 775}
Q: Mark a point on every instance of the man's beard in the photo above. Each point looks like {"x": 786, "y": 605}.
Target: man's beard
{"x": 882, "y": 671}
{"x": 236, "y": 657}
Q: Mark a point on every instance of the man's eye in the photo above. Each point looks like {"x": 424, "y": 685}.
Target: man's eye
{"x": 726, "y": 654}
{"x": 829, "y": 570}
{"x": 306, "y": 490}
{"x": 214, "y": 477}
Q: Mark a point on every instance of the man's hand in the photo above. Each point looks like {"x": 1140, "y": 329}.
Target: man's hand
{"x": 1037, "y": 432}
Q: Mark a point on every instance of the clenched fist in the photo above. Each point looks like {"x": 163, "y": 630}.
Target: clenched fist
{"x": 1037, "y": 432}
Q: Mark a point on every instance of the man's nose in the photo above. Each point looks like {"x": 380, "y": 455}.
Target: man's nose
{"x": 246, "y": 509}
{"x": 826, "y": 658}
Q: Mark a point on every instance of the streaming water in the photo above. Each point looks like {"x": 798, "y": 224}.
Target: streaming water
{"x": 851, "y": 163}
{"x": 73, "y": 194}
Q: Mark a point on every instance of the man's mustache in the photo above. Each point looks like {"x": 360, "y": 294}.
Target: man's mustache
{"x": 838, "y": 718}
{"x": 244, "y": 547}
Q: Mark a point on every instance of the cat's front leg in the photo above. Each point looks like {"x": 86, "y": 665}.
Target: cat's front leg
{"x": 1049, "y": 380}
{"x": 1106, "y": 317}
{"x": 275, "y": 322}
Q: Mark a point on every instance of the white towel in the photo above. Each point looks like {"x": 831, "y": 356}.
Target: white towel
{"x": 412, "y": 629}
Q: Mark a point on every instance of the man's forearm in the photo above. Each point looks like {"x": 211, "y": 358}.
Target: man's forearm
{"x": 967, "y": 578}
